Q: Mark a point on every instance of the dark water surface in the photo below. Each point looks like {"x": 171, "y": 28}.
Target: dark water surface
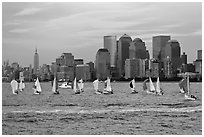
{"x": 90, "y": 114}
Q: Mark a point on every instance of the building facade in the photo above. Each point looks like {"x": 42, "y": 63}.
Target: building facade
{"x": 173, "y": 51}
{"x": 159, "y": 44}
{"x": 83, "y": 72}
{"x": 110, "y": 43}
{"x": 184, "y": 58}
{"x": 36, "y": 63}
{"x": 102, "y": 64}
{"x": 123, "y": 53}
{"x": 140, "y": 49}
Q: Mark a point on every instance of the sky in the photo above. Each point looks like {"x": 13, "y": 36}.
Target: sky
{"x": 78, "y": 28}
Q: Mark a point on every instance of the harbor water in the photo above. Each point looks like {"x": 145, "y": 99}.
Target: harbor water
{"x": 87, "y": 113}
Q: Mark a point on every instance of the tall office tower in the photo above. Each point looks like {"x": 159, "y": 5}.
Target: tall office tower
{"x": 132, "y": 51}
{"x": 68, "y": 59}
{"x": 159, "y": 43}
{"x": 199, "y": 54}
{"x": 123, "y": 53}
{"x": 173, "y": 51}
{"x": 140, "y": 49}
{"x": 102, "y": 64}
{"x": 184, "y": 58}
{"x": 198, "y": 62}
{"x": 110, "y": 43}
{"x": 36, "y": 63}
{"x": 92, "y": 70}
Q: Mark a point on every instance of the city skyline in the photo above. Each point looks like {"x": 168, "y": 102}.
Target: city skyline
{"x": 79, "y": 28}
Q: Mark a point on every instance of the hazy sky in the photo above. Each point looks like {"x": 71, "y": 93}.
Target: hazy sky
{"x": 79, "y": 28}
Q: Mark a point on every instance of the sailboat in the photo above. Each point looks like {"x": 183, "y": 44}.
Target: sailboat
{"x": 158, "y": 89}
{"x": 76, "y": 91}
{"x": 107, "y": 88}
{"x": 55, "y": 86}
{"x": 95, "y": 84}
{"x": 37, "y": 88}
{"x": 132, "y": 86}
{"x": 21, "y": 85}
{"x": 81, "y": 85}
{"x": 186, "y": 88}
{"x": 14, "y": 86}
{"x": 145, "y": 85}
{"x": 151, "y": 87}
{"x": 182, "y": 85}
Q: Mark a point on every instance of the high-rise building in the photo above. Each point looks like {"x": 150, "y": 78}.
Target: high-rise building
{"x": 154, "y": 69}
{"x": 159, "y": 44}
{"x": 184, "y": 58}
{"x": 173, "y": 51}
{"x": 140, "y": 49}
{"x": 130, "y": 68}
{"x": 36, "y": 63}
{"x": 102, "y": 64}
{"x": 167, "y": 67}
{"x": 111, "y": 44}
{"x": 78, "y": 61}
{"x": 135, "y": 68}
{"x": 68, "y": 59}
{"x": 83, "y": 72}
{"x": 198, "y": 62}
{"x": 65, "y": 66}
{"x": 123, "y": 53}
{"x": 199, "y": 54}
{"x": 92, "y": 70}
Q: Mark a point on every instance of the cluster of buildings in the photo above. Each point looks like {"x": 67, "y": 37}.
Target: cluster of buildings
{"x": 127, "y": 58}
{"x": 120, "y": 59}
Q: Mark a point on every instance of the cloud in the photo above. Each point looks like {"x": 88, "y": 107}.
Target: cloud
{"x": 19, "y": 30}
{"x": 28, "y": 11}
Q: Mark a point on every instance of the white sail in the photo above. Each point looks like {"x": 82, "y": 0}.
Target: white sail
{"x": 95, "y": 84}
{"x": 37, "y": 84}
{"x": 21, "y": 85}
{"x": 81, "y": 84}
{"x": 108, "y": 87}
{"x": 54, "y": 85}
{"x": 151, "y": 85}
{"x": 158, "y": 86}
{"x": 133, "y": 83}
{"x": 14, "y": 86}
{"x": 75, "y": 85}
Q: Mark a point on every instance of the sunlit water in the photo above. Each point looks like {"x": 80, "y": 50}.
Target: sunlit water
{"x": 89, "y": 113}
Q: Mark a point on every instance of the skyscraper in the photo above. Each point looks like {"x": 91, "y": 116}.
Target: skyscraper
{"x": 102, "y": 64}
{"x": 199, "y": 54}
{"x": 159, "y": 43}
{"x": 36, "y": 63}
{"x": 110, "y": 43}
{"x": 123, "y": 53}
{"x": 140, "y": 49}
{"x": 184, "y": 58}
{"x": 173, "y": 51}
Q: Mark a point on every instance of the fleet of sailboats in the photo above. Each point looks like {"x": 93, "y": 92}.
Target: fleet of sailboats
{"x": 184, "y": 86}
